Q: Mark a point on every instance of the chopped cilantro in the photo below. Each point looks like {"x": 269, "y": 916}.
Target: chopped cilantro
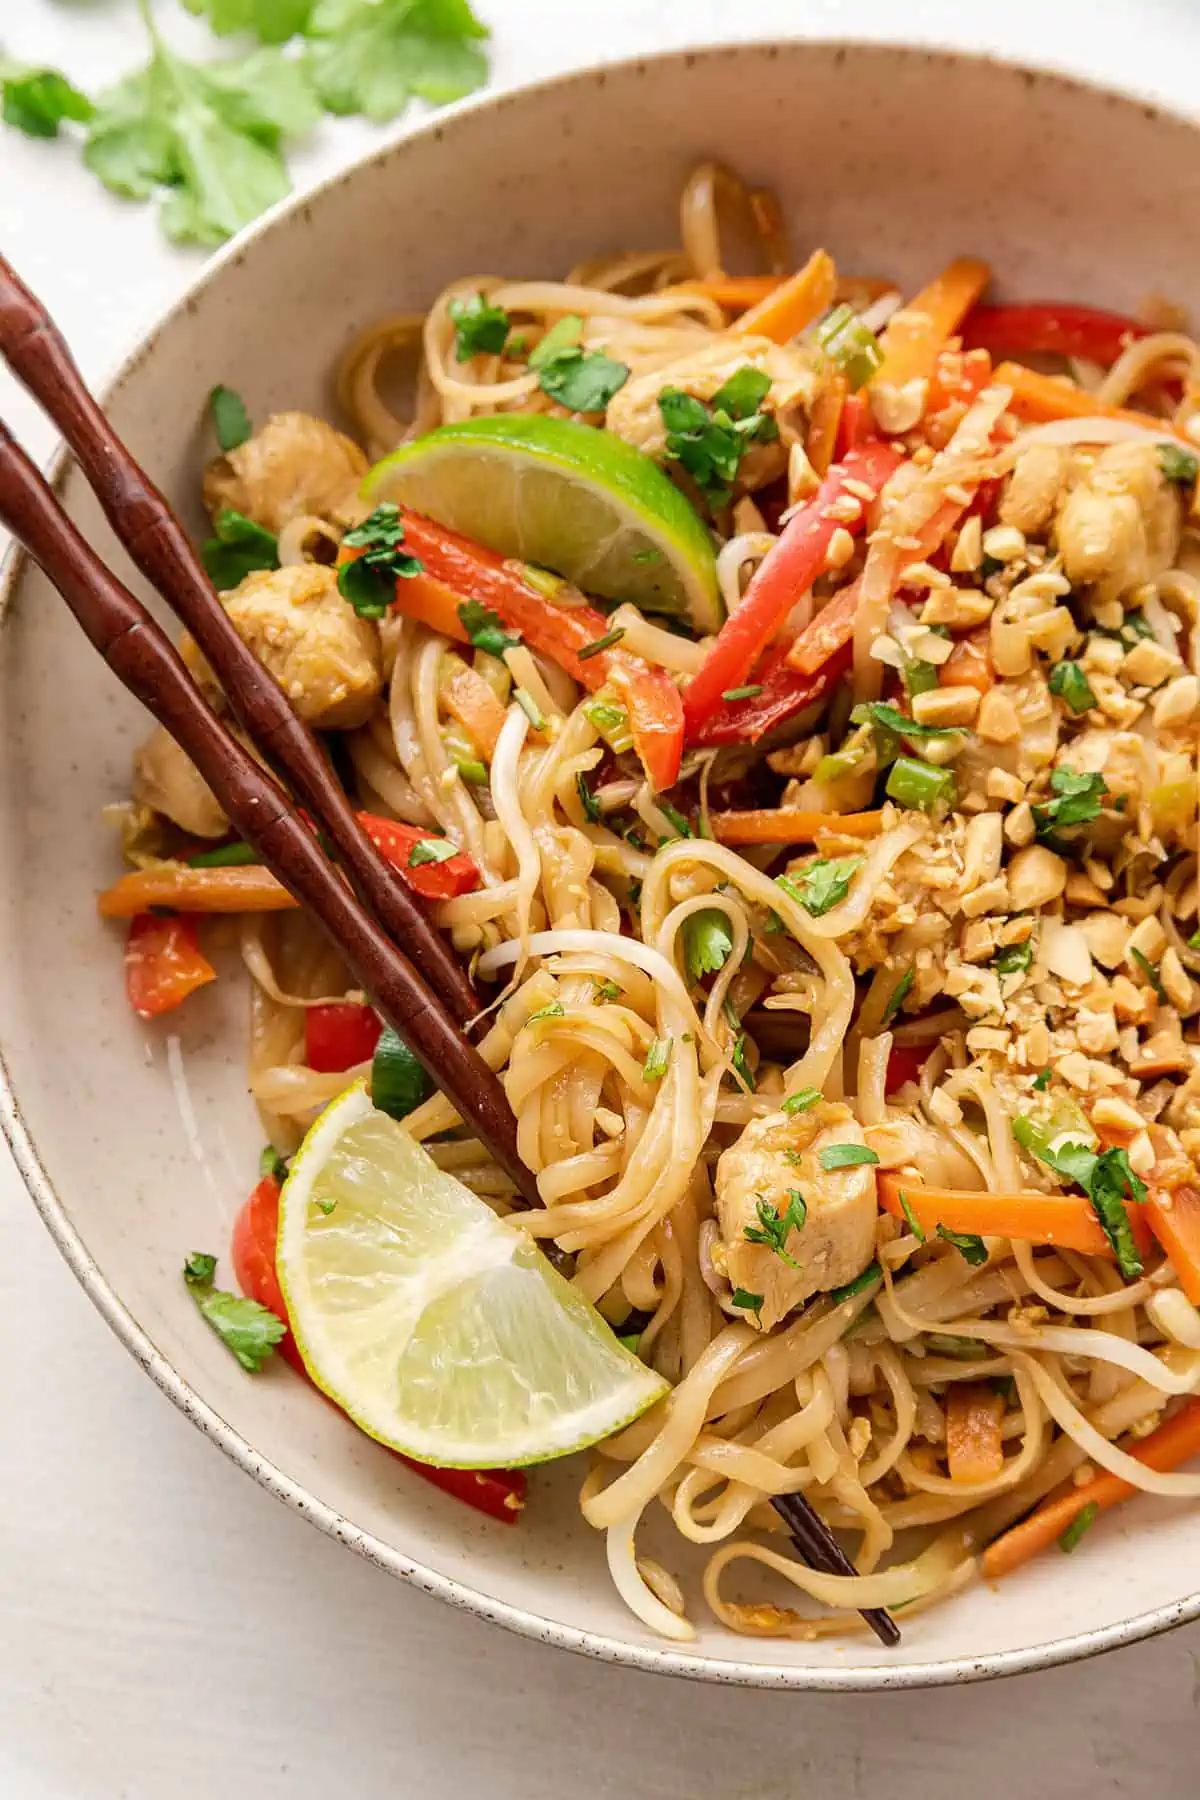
{"x": 707, "y": 942}
{"x": 800, "y": 1101}
{"x": 675, "y": 818}
{"x": 1150, "y": 972}
{"x": 968, "y": 1244}
{"x": 607, "y": 990}
{"x": 709, "y": 440}
{"x": 588, "y": 800}
{"x": 199, "y": 1268}
{"x": 870, "y": 1275}
{"x": 1178, "y": 464}
{"x": 231, "y": 421}
{"x": 1105, "y": 1176}
{"x": 748, "y": 1302}
{"x": 846, "y": 1156}
{"x": 272, "y": 1164}
{"x": 773, "y": 1226}
{"x": 1077, "y": 801}
{"x": 658, "y": 1057}
{"x": 1069, "y": 682}
{"x": 479, "y": 327}
{"x": 583, "y": 381}
{"x": 247, "y": 1328}
{"x": 1042, "y": 1082}
{"x": 554, "y": 1010}
{"x": 822, "y": 884}
{"x": 486, "y": 628}
{"x": 914, "y": 1224}
{"x": 741, "y": 1067}
{"x": 238, "y": 548}
{"x": 369, "y": 582}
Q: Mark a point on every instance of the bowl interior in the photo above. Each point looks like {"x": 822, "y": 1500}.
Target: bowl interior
{"x": 146, "y": 1139}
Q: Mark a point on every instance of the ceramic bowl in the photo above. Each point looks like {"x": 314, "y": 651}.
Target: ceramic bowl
{"x": 138, "y": 1144}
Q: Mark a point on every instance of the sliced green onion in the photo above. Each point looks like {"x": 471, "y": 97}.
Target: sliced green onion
{"x": 846, "y": 1156}
{"x": 1084, "y": 1519}
{"x": 800, "y": 1101}
{"x": 919, "y": 677}
{"x": 851, "y": 344}
{"x": 749, "y": 692}
{"x": 657, "y": 1058}
{"x": 921, "y": 787}
{"x": 530, "y": 708}
{"x": 612, "y": 722}
{"x": 870, "y": 1275}
{"x": 601, "y": 643}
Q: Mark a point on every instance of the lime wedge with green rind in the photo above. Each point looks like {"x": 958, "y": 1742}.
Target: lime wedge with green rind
{"x": 574, "y": 499}
{"x": 440, "y": 1329}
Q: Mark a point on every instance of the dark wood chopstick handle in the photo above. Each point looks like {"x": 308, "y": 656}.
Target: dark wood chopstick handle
{"x": 821, "y": 1550}
{"x": 143, "y": 659}
{"x": 38, "y": 355}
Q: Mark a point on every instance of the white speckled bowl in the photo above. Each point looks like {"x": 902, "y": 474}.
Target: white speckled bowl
{"x": 137, "y": 1144}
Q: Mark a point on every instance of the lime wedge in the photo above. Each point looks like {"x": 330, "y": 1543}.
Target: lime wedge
{"x": 442, "y": 1331}
{"x": 579, "y": 501}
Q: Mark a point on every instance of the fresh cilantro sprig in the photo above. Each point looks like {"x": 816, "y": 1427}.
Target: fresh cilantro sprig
{"x": 271, "y": 21}
{"x": 1105, "y": 1176}
{"x": 969, "y": 1245}
{"x": 1078, "y": 800}
{"x": 245, "y": 1327}
{"x": 369, "y": 582}
{"x": 710, "y": 440}
{"x": 486, "y": 628}
{"x": 1069, "y": 682}
{"x": 707, "y": 942}
{"x": 38, "y": 101}
{"x": 237, "y": 548}
{"x": 479, "y": 327}
{"x": 374, "y": 56}
{"x": 774, "y": 1226}
{"x": 822, "y": 884}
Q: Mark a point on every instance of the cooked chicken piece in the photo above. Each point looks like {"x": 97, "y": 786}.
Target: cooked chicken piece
{"x": 1120, "y": 526}
{"x": 325, "y": 658}
{"x": 1030, "y": 499}
{"x": 633, "y": 413}
{"x": 296, "y": 465}
{"x": 165, "y": 779}
{"x": 757, "y": 1177}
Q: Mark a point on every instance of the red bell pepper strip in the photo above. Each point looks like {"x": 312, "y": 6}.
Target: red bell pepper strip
{"x": 455, "y": 570}
{"x": 340, "y": 1036}
{"x": 856, "y": 426}
{"x": 498, "y": 1492}
{"x": 905, "y": 1064}
{"x": 1050, "y": 330}
{"x": 785, "y": 693}
{"x": 432, "y": 880}
{"x": 959, "y": 378}
{"x": 781, "y": 578}
{"x": 163, "y": 963}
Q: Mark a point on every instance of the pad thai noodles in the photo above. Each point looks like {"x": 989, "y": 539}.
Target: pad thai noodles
{"x": 782, "y": 691}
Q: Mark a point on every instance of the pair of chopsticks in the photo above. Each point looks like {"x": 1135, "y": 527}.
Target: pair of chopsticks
{"x": 420, "y": 989}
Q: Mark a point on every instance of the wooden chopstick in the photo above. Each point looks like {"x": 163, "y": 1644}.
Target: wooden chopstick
{"x": 37, "y": 353}
{"x": 821, "y": 1550}
{"x": 143, "y": 659}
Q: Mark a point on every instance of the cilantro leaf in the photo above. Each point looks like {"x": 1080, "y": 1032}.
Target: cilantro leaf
{"x": 249, "y": 1330}
{"x": 846, "y": 1156}
{"x": 969, "y": 1246}
{"x": 707, "y": 942}
{"x": 369, "y": 582}
{"x": 800, "y": 1101}
{"x": 1069, "y": 682}
{"x": 1107, "y": 1178}
{"x": 748, "y": 1302}
{"x": 209, "y": 134}
{"x": 564, "y": 334}
{"x": 1150, "y": 972}
{"x": 822, "y": 884}
{"x": 584, "y": 381}
{"x": 237, "y": 549}
{"x": 588, "y": 801}
{"x": 773, "y": 1226}
{"x": 374, "y": 56}
{"x": 889, "y": 726}
{"x": 231, "y": 421}
{"x": 272, "y": 1164}
{"x": 914, "y": 1224}
{"x": 479, "y": 327}
{"x": 272, "y": 21}
{"x": 1077, "y": 801}
{"x": 870, "y": 1275}
{"x": 1178, "y": 464}
{"x": 709, "y": 440}
{"x": 486, "y": 628}
{"x": 741, "y": 1066}
{"x": 37, "y": 101}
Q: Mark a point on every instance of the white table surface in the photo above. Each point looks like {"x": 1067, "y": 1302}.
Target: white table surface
{"x": 168, "y": 1631}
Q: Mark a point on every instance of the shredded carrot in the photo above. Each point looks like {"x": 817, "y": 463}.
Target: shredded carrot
{"x": 737, "y": 293}
{"x": 794, "y": 304}
{"x": 1039, "y": 399}
{"x": 915, "y": 336}
{"x": 1173, "y": 1443}
{"x": 823, "y": 636}
{"x": 467, "y": 696}
{"x": 824, "y": 422}
{"x": 969, "y": 664}
{"x": 1174, "y": 1216}
{"x": 1066, "y": 1221}
{"x": 781, "y": 826}
{"x": 245, "y": 888}
{"x": 974, "y": 1447}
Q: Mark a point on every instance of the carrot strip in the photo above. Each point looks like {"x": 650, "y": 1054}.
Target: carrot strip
{"x": 1174, "y": 1216}
{"x": 914, "y": 337}
{"x": 775, "y": 825}
{"x": 469, "y": 699}
{"x": 974, "y": 1447}
{"x": 1039, "y": 399}
{"x": 249, "y": 888}
{"x": 825, "y": 422}
{"x": 1066, "y": 1221}
{"x": 1173, "y": 1443}
{"x": 794, "y": 304}
{"x": 737, "y": 293}
{"x": 969, "y": 664}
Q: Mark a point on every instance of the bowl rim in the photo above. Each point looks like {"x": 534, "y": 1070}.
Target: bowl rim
{"x": 835, "y": 1678}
